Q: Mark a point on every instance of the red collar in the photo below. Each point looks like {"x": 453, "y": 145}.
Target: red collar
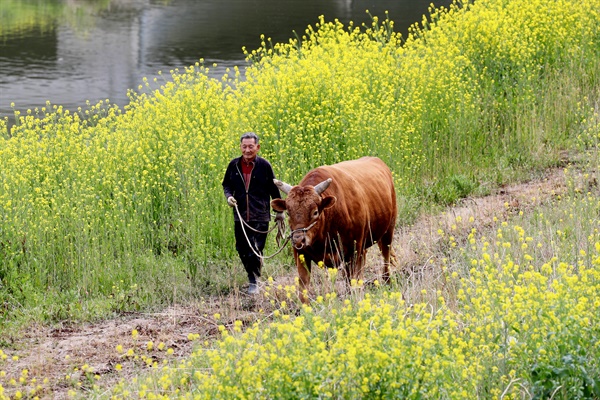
{"x": 247, "y": 166}
{"x": 251, "y": 162}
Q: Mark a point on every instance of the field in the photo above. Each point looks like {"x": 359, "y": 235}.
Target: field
{"x": 108, "y": 212}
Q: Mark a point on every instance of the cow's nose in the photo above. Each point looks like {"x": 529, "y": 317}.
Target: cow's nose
{"x": 298, "y": 238}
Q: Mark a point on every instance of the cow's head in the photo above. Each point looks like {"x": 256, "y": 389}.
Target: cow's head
{"x": 304, "y": 205}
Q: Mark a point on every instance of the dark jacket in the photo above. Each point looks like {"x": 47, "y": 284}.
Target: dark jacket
{"x": 255, "y": 204}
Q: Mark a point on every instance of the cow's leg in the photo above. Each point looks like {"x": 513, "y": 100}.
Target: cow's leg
{"x": 303, "y": 275}
{"x": 385, "y": 245}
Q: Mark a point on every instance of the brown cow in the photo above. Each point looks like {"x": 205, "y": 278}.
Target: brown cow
{"x": 358, "y": 211}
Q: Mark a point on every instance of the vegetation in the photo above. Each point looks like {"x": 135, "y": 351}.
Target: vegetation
{"x": 107, "y": 210}
{"x": 512, "y": 313}
{"x": 38, "y": 15}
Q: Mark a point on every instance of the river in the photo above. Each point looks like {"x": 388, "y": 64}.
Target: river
{"x": 72, "y": 51}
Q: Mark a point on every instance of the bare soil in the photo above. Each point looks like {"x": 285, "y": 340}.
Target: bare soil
{"x": 78, "y": 356}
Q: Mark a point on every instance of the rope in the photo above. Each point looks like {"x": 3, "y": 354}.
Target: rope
{"x": 281, "y": 227}
{"x": 303, "y": 230}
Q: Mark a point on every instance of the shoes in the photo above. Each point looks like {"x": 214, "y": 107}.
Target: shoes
{"x": 253, "y": 288}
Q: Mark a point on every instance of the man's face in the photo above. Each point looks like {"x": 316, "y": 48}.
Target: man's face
{"x": 249, "y": 149}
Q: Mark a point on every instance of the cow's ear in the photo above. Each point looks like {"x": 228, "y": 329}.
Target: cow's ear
{"x": 278, "y": 205}
{"x": 328, "y": 201}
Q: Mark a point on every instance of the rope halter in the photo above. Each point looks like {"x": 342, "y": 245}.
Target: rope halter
{"x": 303, "y": 230}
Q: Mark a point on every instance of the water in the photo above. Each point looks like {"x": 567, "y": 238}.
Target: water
{"x": 72, "y": 51}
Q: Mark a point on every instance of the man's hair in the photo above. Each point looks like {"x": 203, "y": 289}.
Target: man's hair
{"x": 249, "y": 135}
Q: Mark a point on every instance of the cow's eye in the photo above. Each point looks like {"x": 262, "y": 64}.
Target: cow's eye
{"x": 315, "y": 213}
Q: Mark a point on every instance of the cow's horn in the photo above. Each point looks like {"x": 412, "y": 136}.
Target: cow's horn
{"x": 320, "y": 188}
{"x": 284, "y": 187}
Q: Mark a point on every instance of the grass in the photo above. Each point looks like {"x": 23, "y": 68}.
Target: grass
{"x": 107, "y": 210}
{"x": 503, "y": 307}
{"x": 20, "y": 16}
{"x": 508, "y": 296}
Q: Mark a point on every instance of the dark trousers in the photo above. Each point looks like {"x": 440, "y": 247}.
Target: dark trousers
{"x": 252, "y": 263}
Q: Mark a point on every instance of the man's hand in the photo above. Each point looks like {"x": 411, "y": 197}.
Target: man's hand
{"x": 279, "y": 217}
{"x": 231, "y": 201}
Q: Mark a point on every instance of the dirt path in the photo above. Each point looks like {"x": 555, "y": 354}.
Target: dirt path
{"x": 72, "y": 357}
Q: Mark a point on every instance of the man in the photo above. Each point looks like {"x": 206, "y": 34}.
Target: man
{"x": 248, "y": 184}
